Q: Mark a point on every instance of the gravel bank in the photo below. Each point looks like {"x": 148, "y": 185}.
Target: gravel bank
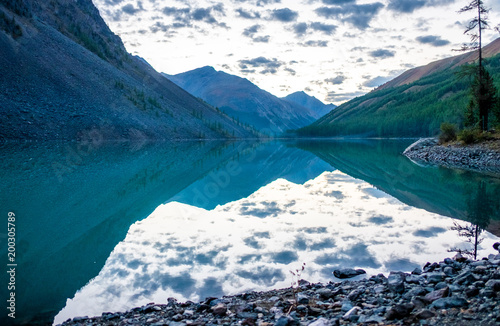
{"x": 455, "y": 291}
{"x": 478, "y": 157}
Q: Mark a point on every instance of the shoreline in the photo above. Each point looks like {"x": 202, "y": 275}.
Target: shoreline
{"x": 476, "y": 157}
{"x": 454, "y": 291}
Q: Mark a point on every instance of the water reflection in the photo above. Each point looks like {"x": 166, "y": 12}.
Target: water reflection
{"x": 445, "y": 191}
{"x": 76, "y": 202}
{"x": 329, "y": 222}
{"x": 76, "y": 205}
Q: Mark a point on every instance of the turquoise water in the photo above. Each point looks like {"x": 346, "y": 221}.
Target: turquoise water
{"x": 108, "y": 226}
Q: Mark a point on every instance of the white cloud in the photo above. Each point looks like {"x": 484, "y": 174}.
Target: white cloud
{"x": 319, "y": 35}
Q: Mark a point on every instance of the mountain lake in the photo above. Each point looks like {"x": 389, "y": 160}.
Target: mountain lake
{"x": 111, "y": 226}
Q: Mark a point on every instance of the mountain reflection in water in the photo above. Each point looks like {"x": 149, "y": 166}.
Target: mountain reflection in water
{"x": 332, "y": 221}
{"x": 86, "y": 232}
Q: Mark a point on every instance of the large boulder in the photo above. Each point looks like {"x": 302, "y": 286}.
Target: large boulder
{"x": 347, "y": 273}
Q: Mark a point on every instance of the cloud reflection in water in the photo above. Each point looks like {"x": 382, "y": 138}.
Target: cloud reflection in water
{"x": 251, "y": 244}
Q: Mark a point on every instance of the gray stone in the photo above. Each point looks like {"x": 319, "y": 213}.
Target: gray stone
{"x": 467, "y": 278}
{"x": 175, "y": 323}
{"x": 346, "y": 306}
{"x": 379, "y": 289}
{"x": 424, "y": 314}
{"x": 188, "y": 313}
{"x": 435, "y": 277}
{"x": 487, "y": 293}
{"x": 420, "y": 302}
{"x": 416, "y": 291}
{"x": 449, "y": 271}
{"x": 354, "y": 294}
{"x": 481, "y": 270}
{"x": 302, "y": 298}
{"x": 301, "y": 309}
{"x": 312, "y": 311}
{"x": 471, "y": 291}
{"x": 246, "y": 314}
{"x": 219, "y": 310}
{"x": 414, "y": 279}
{"x": 493, "y": 284}
{"x": 283, "y": 321}
{"x": 325, "y": 293}
{"x": 320, "y": 322}
{"x": 438, "y": 294}
{"x": 479, "y": 284}
{"x": 399, "y": 311}
{"x": 417, "y": 271}
{"x": 347, "y": 273}
{"x": 351, "y": 312}
{"x": 274, "y": 299}
{"x": 396, "y": 282}
{"x": 450, "y": 302}
{"x": 479, "y": 263}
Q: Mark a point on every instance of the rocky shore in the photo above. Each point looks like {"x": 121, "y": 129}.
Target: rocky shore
{"x": 456, "y": 291}
{"x": 477, "y": 157}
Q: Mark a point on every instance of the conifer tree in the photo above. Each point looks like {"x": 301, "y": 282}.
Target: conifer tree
{"x": 483, "y": 92}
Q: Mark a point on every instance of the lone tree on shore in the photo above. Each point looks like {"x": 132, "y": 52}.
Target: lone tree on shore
{"x": 483, "y": 92}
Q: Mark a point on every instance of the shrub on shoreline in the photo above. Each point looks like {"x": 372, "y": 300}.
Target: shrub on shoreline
{"x": 448, "y": 133}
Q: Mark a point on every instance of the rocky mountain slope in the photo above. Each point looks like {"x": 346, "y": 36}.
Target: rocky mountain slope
{"x": 310, "y": 102}
{"x": 65, "y": 75}
{"x": 411, "y": 105}
{"x": 241, "y": 99}
{"x": 415, "y": 74}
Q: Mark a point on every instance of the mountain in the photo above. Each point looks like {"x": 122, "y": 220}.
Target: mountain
{"x": 241, "y": 99}
{"x": 413, "y": 104}
{"x": 417, "y": 73}
{"x": 66, "y": 75}
{"x": 310, "y": 102}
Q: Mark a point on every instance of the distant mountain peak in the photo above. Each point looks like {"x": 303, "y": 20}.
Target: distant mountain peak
{"x": 242, "y": 99}
{"x": 206, "y": 68}
{"x": 310, "y": 102}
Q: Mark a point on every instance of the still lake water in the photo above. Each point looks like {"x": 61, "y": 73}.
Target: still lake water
{"x": 107, "y": 227}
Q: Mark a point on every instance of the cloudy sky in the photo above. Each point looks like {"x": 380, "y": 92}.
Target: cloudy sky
{"x": 332, "y": 49}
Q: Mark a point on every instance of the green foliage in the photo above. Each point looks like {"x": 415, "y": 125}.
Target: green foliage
{"x": 448, "y": 133}
{"x": 470, "y": 136}
{"x": 90, "y": 40}
{"x": 10, "y": 26}
{"x": 119, "y": 85}
{"x": 143, "y": 101}
{"x": 197, "y": 114}
{"x": 483, "y": 101}
{"x": 471, "y": 116}
{"x": 21, "y": 8}
{"x": 412, "y": 110}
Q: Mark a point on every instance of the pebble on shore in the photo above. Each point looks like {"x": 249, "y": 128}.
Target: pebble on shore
{"x": 476, "y": 157}
{"x": 455, "y": 291}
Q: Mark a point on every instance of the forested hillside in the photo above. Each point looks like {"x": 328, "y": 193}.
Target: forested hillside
{"x": 409, "y": 110}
